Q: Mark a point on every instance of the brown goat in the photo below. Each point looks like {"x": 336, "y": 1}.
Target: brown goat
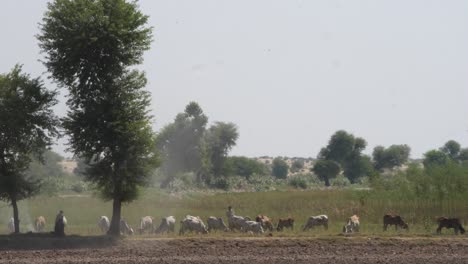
{"x": 395, "y": 220}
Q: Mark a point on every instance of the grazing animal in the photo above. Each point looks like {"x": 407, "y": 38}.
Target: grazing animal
{"x": 192, "y": 224}
{"x": 352, "y": 225}
{"x": 125, "y": 229}
{"x": 316, "y": 221}
{"x": 235, "y": 222}
{"x": 285, "y": 222}
{"x": 252, "y": 226}
{"x": 11, "y": 225}
{"x": 395, "y": 220}
{"x": 146, "y": 225}
{"x": 450, "y": 223}
{"x": 104, "y": 224}
{"x": 216, "y": 224}
{"x": 167, "y": 225}
{"x": 265, "y": 221}
{"x": 39, "y": 224}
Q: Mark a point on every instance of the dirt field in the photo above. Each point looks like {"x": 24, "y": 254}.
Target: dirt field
{"x": 237, "y": 250}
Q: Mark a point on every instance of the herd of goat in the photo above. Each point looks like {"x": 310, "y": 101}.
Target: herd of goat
{"x": 259, "y": 225}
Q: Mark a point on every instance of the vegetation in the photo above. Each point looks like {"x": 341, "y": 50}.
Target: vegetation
{"x": 393, "y": 156}
{"x": 326, "y": 170}
{"x": 280, "y": 168}
{"x": 90, "y": 49}
{"x": 346, "y": 150}
{"x": 27, "y": 127}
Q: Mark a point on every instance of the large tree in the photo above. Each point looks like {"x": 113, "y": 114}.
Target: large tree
{"x": 180, "y": 142}
{"x": 346, "y": 149}
{"x": 279, "y": 168}
{"x": 219, "y": 140}
{"x": 91, "y": 47}
{"x": 452, "y": 149}
{"x": 27, "y": 127}
{"x": 326, "y": 170}
{"x": 393, "y": 156}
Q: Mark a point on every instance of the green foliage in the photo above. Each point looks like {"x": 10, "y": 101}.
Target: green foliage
{"x": 91, "y": 47}
{"x": 243, "y": 166}
{"x": 297, "y": 165}
{"x": 393, "y": 156}
{"x": 452, "y": 149}
{"x": 179, "y": 143}
{"x": 280, "y": 168}
{"x": 463, "y": 155}
{"x": 27, "y": 127}
{"x": 340, "y": 181}
{"x": 326, "y": 170}
{"x": 298, "y": 182}
{"x": 345, "y": 149}
{"x": 435, "y": 158}
{"x": 219, "y": 139}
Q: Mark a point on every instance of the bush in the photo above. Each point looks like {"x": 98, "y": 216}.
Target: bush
{"x": 340, "y": 181}
{"x": 79, "y": 187}
{"x": 298, "y": 182}
{"x": 280, "y": 168}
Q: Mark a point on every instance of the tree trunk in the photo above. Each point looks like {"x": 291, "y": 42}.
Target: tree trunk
{"x": 114, "y": 229}
{"x": 15, "y": 214}
{"x": 327, "y": 182}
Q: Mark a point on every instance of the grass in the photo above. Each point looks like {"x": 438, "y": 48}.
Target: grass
{"x": 84, "y": 211}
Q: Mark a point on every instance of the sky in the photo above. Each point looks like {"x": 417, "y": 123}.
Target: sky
{"x": 290, "y": 73}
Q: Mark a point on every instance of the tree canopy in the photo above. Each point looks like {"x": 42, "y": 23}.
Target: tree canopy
{"x": 346, "y": 149}
{"x": 90, "y": 46}
{"x": 393, "y": 156}
{"x": 280, "y": 168}
{"x": 326, "y": 170}
{"x": 27, "y": 127}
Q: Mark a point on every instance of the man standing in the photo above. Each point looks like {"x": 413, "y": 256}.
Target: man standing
{"x": 60, "y": 222}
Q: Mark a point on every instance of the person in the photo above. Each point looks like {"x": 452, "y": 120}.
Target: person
{"x": 60, "y": 222}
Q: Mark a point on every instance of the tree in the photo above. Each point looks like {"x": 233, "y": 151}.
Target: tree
{"x": 435, "y": 157}
{"x": 326, "y": 170}
{"x": 345, "y": 149}
{"x": 393, "y": 156}
{"x": 91, "y": 49}
{"x": 280, "y": 168}
{"x": 452, "y": 149}
{"x": 243, "y": 166}
{"x": 297, "y": 165}
{"x": 463, "y": 156}
{"x": 180, "y": 142}
{"x": 27, "y": 127}
{"x": 220, "y": 138}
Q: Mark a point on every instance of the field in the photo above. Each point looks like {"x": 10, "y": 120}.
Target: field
{"x": 83, "y": 211}
{"x": 235, "y": 250}
{"x": 85, "y": 244}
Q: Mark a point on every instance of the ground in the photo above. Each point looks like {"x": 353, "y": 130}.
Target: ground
{"x": 236, "y": 250}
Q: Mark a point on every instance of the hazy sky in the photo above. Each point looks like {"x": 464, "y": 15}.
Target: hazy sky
{"x": 290, "y": 73}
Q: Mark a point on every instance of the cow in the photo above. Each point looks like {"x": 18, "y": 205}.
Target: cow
{"x": 11, "y": 225}
{"x": 252, "y": 226}
{"x": 235, "y": 222}
{"x": 125, "y": 229}
{"x": 216, "y": 224}
{"x": 285, "y": 222}
{"x": 352, "y": 225}
{"x": 395, "y": 220}
{"x": 265, "y": 221}
{"x": 146, "y": 224}
{"x": 167, "y": 225}
{"x": 316, "y": 221}
{"x": 104, "y": 224}
{"x": 450, "y": 223}
{"x": 39, "y": 224}
{"x": 192, "y": 224}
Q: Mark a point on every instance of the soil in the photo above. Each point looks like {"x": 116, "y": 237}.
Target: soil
{"x": 234, "y": 250}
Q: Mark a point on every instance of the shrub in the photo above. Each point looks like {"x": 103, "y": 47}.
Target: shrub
{"x": 340, "y": 181}
{"x": 298, "y": 182}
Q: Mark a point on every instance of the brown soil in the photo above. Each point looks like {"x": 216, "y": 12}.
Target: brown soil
{"x": 240, "y": 250}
